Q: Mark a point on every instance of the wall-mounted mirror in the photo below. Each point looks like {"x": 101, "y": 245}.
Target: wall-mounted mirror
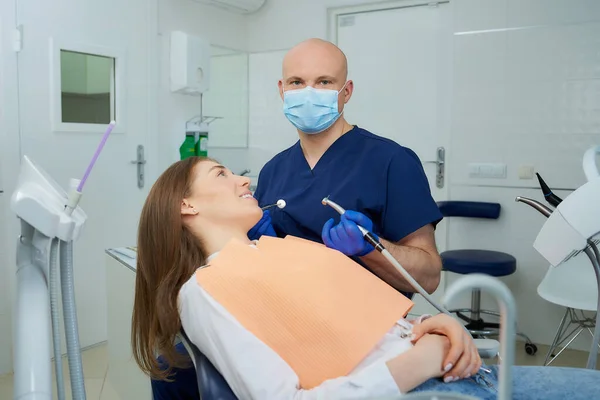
{"x": 227, "y": 97}
{"x": 87, "y": 88}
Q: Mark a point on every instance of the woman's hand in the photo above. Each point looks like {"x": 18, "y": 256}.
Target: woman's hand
{"x": 422, "y": 362}
{"x": 462, "y": 360}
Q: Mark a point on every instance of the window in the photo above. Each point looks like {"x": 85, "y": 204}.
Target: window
{"x": 87, "y": 88}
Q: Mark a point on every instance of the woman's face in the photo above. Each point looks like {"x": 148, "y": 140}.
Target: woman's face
{"x": 220, "y": 198}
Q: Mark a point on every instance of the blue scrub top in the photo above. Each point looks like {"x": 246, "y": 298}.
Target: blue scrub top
{"x": 360, "y": 171}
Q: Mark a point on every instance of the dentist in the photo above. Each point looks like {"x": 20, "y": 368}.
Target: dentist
{"x": 381, "y": 183}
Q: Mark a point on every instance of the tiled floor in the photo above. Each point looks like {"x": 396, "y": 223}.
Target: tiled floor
{"x": 95, "y": 368}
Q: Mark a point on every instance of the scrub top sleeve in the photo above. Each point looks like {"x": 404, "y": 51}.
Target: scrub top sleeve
{"x": 263, "y": 176}
{"x": 408, "y": 202}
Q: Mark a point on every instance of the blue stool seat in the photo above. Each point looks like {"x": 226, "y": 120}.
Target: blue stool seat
{"x": 494, "y": 263}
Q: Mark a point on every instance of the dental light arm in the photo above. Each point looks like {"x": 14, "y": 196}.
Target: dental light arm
{"x": 574, "y": 227}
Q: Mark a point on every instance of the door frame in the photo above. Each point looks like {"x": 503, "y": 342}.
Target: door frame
{"x": 334, "y": 12}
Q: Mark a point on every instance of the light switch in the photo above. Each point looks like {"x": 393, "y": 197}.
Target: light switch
{"x": 526, "y": 172}
{"x": 487, "y": 170}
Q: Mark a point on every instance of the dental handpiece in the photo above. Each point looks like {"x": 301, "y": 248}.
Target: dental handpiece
{"x": 280, "y": 204}
{"x": 379, "y": 247}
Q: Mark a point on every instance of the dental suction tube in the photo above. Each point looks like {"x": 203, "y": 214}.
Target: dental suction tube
{"x": 545, "y": 211}
{"x": 379, "y": 247}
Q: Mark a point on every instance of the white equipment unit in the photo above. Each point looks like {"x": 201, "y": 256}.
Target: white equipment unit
{"x": 574, "y": 227}
{"x": 190, "y": 64}
{"x": 40, "y": 203}
{"x": 51, "y": 221}
{"x": 577, "y": 218}
{"x": 237, "y": 6}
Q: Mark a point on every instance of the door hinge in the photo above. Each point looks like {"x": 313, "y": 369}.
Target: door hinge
{"x": 18, "y": 39}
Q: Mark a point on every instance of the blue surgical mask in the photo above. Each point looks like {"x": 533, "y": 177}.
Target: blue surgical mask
{"x": 311, "y": 110}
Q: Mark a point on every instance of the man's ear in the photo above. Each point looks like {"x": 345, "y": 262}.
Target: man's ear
{"x": 348, "y": 90}
{"x": 187, "y": 208}
{"x": 280, "y": 85}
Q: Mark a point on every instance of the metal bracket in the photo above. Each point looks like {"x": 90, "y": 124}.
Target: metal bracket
{"x": 140, "y": 165}
{"x": 440, "y": 166}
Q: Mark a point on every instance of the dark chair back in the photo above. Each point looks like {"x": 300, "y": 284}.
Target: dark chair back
{"x": 469, "y": 209}
{"x": 211, "y": 384}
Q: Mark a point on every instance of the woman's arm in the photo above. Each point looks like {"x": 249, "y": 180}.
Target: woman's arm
{"x": 462, "y": 360}
{"x": 420, "y": 363}
{"x": 255, "y": 371}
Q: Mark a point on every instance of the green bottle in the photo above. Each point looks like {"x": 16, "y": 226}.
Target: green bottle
{"x": 188, "y": 147}
{"x": 202, "y": 145}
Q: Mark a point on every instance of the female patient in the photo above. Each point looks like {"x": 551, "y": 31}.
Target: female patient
{"x": 193, "y": 210}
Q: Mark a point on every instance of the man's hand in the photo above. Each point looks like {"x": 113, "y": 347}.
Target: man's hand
{"x": 262, "y": 227}
{"x": 463, "y": 358}
{"x": 346, "y": 237}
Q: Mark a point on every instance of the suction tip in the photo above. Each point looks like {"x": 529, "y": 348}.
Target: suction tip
{"x": 545, "y": 189}
{"x": 280, "y": 203}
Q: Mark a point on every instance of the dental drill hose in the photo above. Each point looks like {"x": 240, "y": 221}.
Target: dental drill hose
{"x": 70, "y": 316}
{"x": 54, "y": 278}
{"x": 379, "y": 247}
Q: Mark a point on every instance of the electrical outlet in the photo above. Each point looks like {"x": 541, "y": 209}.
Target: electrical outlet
{"x": 526, "y": 172}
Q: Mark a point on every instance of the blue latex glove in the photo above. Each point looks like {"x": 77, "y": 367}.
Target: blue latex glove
{"x": 262, "y": 227}
{"x": 346, "y": 236}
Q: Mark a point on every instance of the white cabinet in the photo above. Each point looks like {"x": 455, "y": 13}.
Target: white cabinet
{"x": 123, "y": 373}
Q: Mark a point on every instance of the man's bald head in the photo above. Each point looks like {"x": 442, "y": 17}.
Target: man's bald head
{"x": 319, "y": 64}
{"x": 316, "y": 54}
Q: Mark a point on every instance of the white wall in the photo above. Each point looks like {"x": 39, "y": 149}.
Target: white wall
{"x": 8, "y": 159}
{"x": 529, "y": 95}
{"x": 526, "y": 92}
{"x": 222, "y": 28}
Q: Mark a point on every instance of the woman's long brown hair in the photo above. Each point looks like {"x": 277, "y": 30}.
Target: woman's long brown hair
{"x": 167, "y": 256}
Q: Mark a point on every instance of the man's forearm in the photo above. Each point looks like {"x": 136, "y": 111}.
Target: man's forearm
{"x": 423, "y": 266}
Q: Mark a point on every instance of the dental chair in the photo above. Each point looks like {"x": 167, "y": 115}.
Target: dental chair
{"x": 211, "y": 384}
{"x": 572, "y": 286}
{"x": 470, "y": 261}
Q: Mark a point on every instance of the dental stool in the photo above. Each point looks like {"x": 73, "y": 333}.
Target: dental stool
{"x": 211, "y": 384}
{"x": 469, "y": 261}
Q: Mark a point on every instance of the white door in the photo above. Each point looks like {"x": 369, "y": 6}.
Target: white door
{"x": 400, "y": 62}
{"x": 66, "y": 101}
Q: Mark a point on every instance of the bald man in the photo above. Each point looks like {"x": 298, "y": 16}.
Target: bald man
{"x": 380, "y": 183}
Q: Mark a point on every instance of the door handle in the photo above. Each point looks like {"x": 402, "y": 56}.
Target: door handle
{"x": 440, "y": 163}
{"x": 140, "y": 162}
